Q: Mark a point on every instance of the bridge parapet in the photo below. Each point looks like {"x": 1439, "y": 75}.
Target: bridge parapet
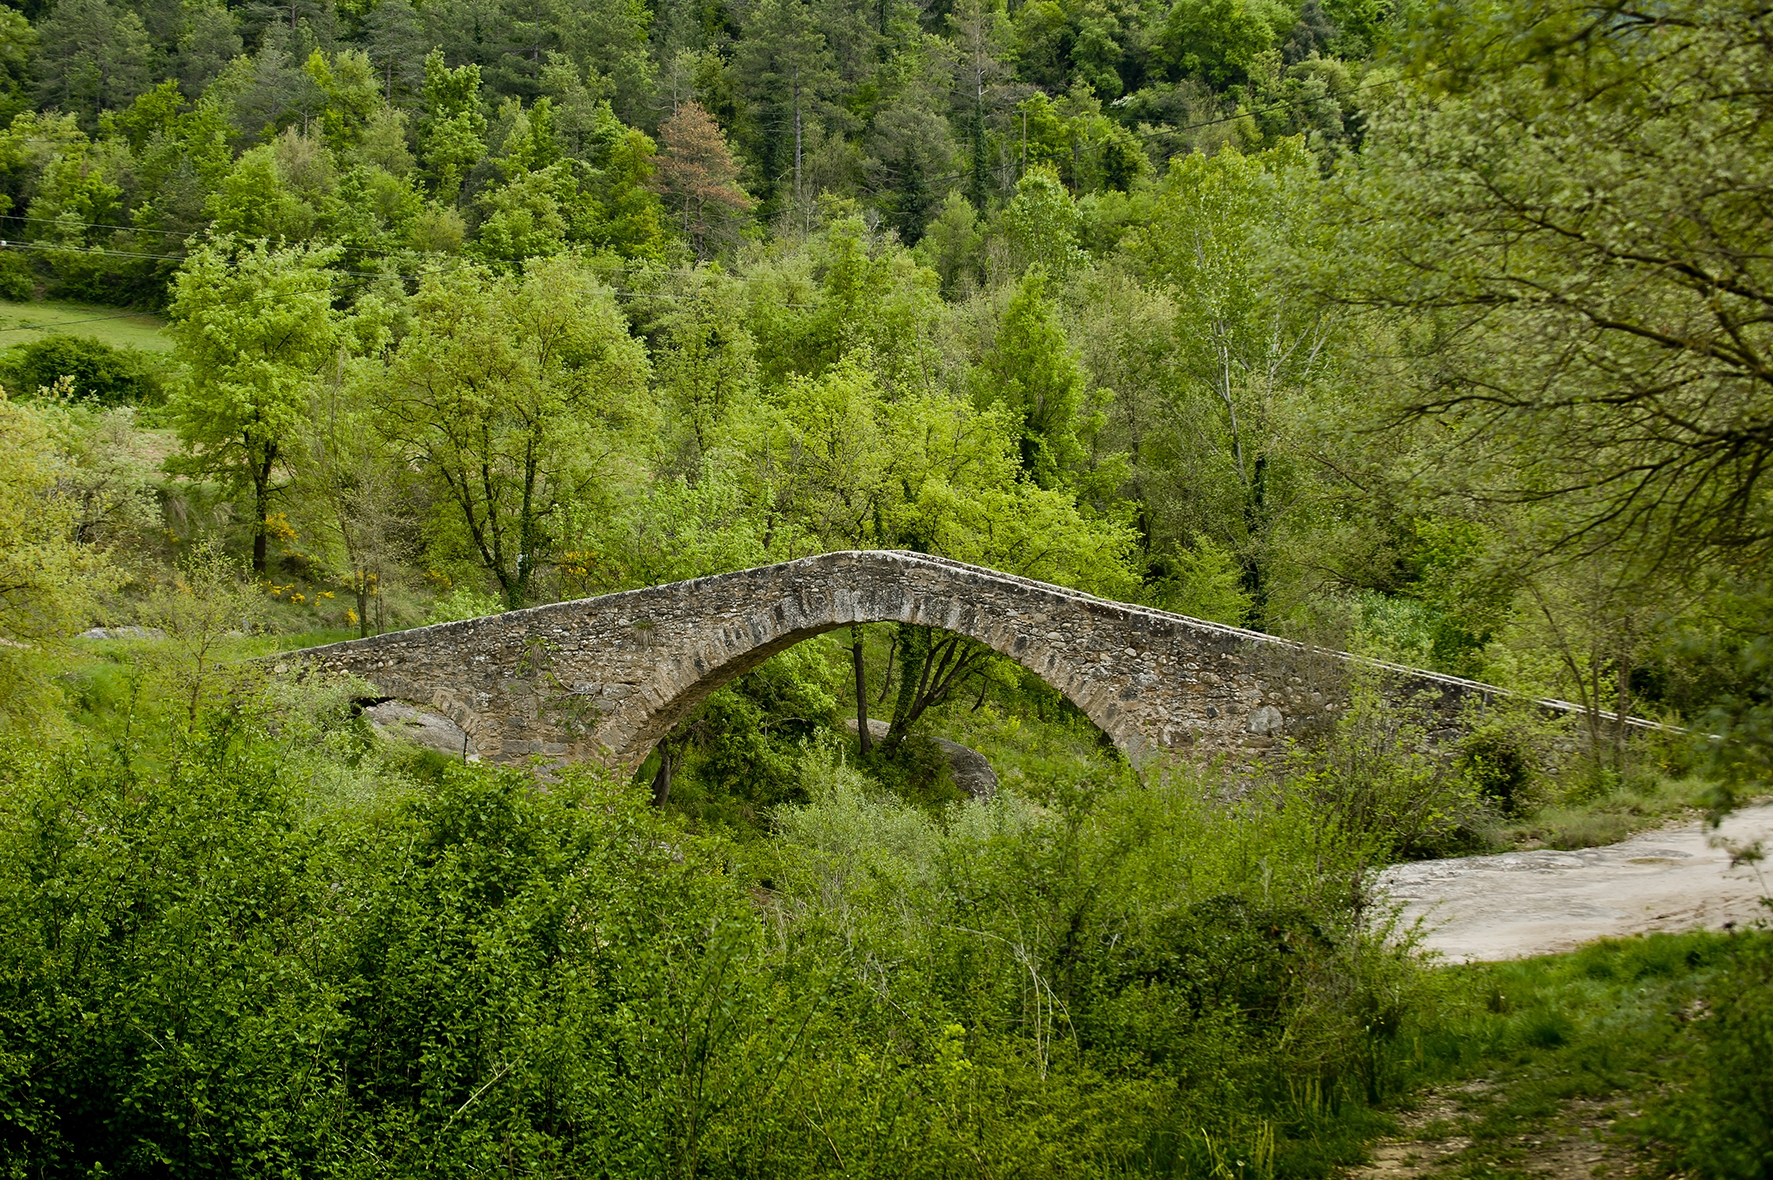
{"x": 605, "y": 678}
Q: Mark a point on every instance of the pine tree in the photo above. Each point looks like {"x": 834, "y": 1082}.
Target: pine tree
{"x": 92, "y": 58}
{"x": 785, "y": 73}
{"x": 697, "y": 173}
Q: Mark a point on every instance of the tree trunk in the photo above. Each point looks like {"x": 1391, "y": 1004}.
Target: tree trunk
{"x": 669, "y": 759}
{"x": 977, "y": 133}
{"x": 932, "y": 670}
{"x": 916, "y": 642}
{"x": 862, "y": 734}
{"x": 1255, "y": 526}
{"x": 886, "y": 682}
{"x": 261, "y": 503}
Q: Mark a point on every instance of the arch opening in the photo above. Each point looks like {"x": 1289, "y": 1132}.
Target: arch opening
{"x": 907, "y": 694}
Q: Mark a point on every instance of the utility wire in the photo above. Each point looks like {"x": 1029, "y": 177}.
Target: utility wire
{"x": 1288, "y": 102}
{"x": 134, "y": 229}
{"x": 629, "y": 292}
{"x": 101, "y": 251}
{"x": 1236, "y": 115}
{"x": 52, "y": 248}
{"x": 50, "y": 328}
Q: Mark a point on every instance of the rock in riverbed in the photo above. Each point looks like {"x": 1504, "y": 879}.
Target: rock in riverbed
{"x": 409, "y": 723}
{"x": 972, "y": 771}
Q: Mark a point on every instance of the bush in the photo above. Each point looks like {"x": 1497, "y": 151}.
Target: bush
{"x": 1151, "y": 998}
{"x": 1722, "y": 1123}
{"x": 917, "y": 772}
{"x": 740, "y": 751}
{"x": 1379, "y": 785}
{"x": 463, "y": 602}
{"x": 201, "y": 974}
{"x": 110, "y": 376}
{"x": 1499, "y": 764}
{"x": 18, "y": 281}
{"x": 221, "y": 954}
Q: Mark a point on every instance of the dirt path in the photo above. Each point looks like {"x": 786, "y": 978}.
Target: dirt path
{"x": 1536, "y": 903}
{"x": 1572, "y": 1144}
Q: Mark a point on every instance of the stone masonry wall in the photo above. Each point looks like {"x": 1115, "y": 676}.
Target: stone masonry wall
{"x": 605, "y": 678}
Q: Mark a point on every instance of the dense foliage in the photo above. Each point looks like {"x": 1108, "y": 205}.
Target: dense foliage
{"x": 408, "y": 132}
{"x": 263, "y": 940}
{"x": 1424, "y": 330}
{"x": 1435, "y": 331}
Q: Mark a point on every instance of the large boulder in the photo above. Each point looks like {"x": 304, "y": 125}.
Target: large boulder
{"x": 971, "y": 769}
{"x": 400, "y": 721}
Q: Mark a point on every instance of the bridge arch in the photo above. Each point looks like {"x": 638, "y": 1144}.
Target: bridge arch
{"x": 606, "y": 678}
{"x": 691, "y": 677}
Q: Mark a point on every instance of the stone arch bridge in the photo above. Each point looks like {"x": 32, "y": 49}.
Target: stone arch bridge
{"x": 605, "y": 678}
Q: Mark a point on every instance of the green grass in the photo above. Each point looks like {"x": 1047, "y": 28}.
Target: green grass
{"x": 1521, "y": 1041}
{"x": 296, "y": 641}
{"x": 1643, "y": 802}
{"x": 24, "y": 322}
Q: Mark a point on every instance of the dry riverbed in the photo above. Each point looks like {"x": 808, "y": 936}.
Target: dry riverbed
{"x": 1519, "y": 904}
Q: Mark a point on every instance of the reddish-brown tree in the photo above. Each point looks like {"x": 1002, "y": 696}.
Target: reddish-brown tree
{"x": 699, "y": 178}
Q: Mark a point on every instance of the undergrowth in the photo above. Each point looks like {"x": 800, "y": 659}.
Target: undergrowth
{"x": 1672, "y": 1031}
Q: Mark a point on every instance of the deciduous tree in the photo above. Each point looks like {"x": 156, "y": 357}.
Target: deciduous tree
{"x": 48, "y": 577}
{"x": 1250, "y": 348}
{"x": 1572, "y": 218}
{"x": 252, "y": 326}
{"x": 518, "y": 397}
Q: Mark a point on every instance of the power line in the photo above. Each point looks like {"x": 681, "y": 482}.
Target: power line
{"x": 100, "y": 251}
{"x": 1236, "y": 115}
{"x": 1285, "y": 103}
{"x": 50, "y": 328}
{"x": 1233, "y": 117}
{"x": 629, "y": 292}
{"x": 134, "y": 229}
{"x": 53, "y": 248}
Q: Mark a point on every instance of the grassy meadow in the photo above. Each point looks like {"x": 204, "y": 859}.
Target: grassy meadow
{"x": 22, "y": 323}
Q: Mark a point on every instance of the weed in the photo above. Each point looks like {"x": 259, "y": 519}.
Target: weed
{"x": 1524, "y": 1040}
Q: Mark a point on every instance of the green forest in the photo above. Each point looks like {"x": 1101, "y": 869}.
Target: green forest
{"x": 1435, "y": 331}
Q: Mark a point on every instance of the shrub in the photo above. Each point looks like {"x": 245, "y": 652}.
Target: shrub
{"x": 203, "y": 975}
{"x": 18, "y": 282}
{"x": 220, "y": 955}
{"x": 463, "y": 602}
{"x": 1498, "y": 763}
{"x": 110, "y": 376}
{"x": 1379, "y": 785}
{"x": 1722, "y": 1123}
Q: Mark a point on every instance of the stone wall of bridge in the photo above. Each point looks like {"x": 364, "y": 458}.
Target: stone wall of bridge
{"x": 605, "y": 678}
